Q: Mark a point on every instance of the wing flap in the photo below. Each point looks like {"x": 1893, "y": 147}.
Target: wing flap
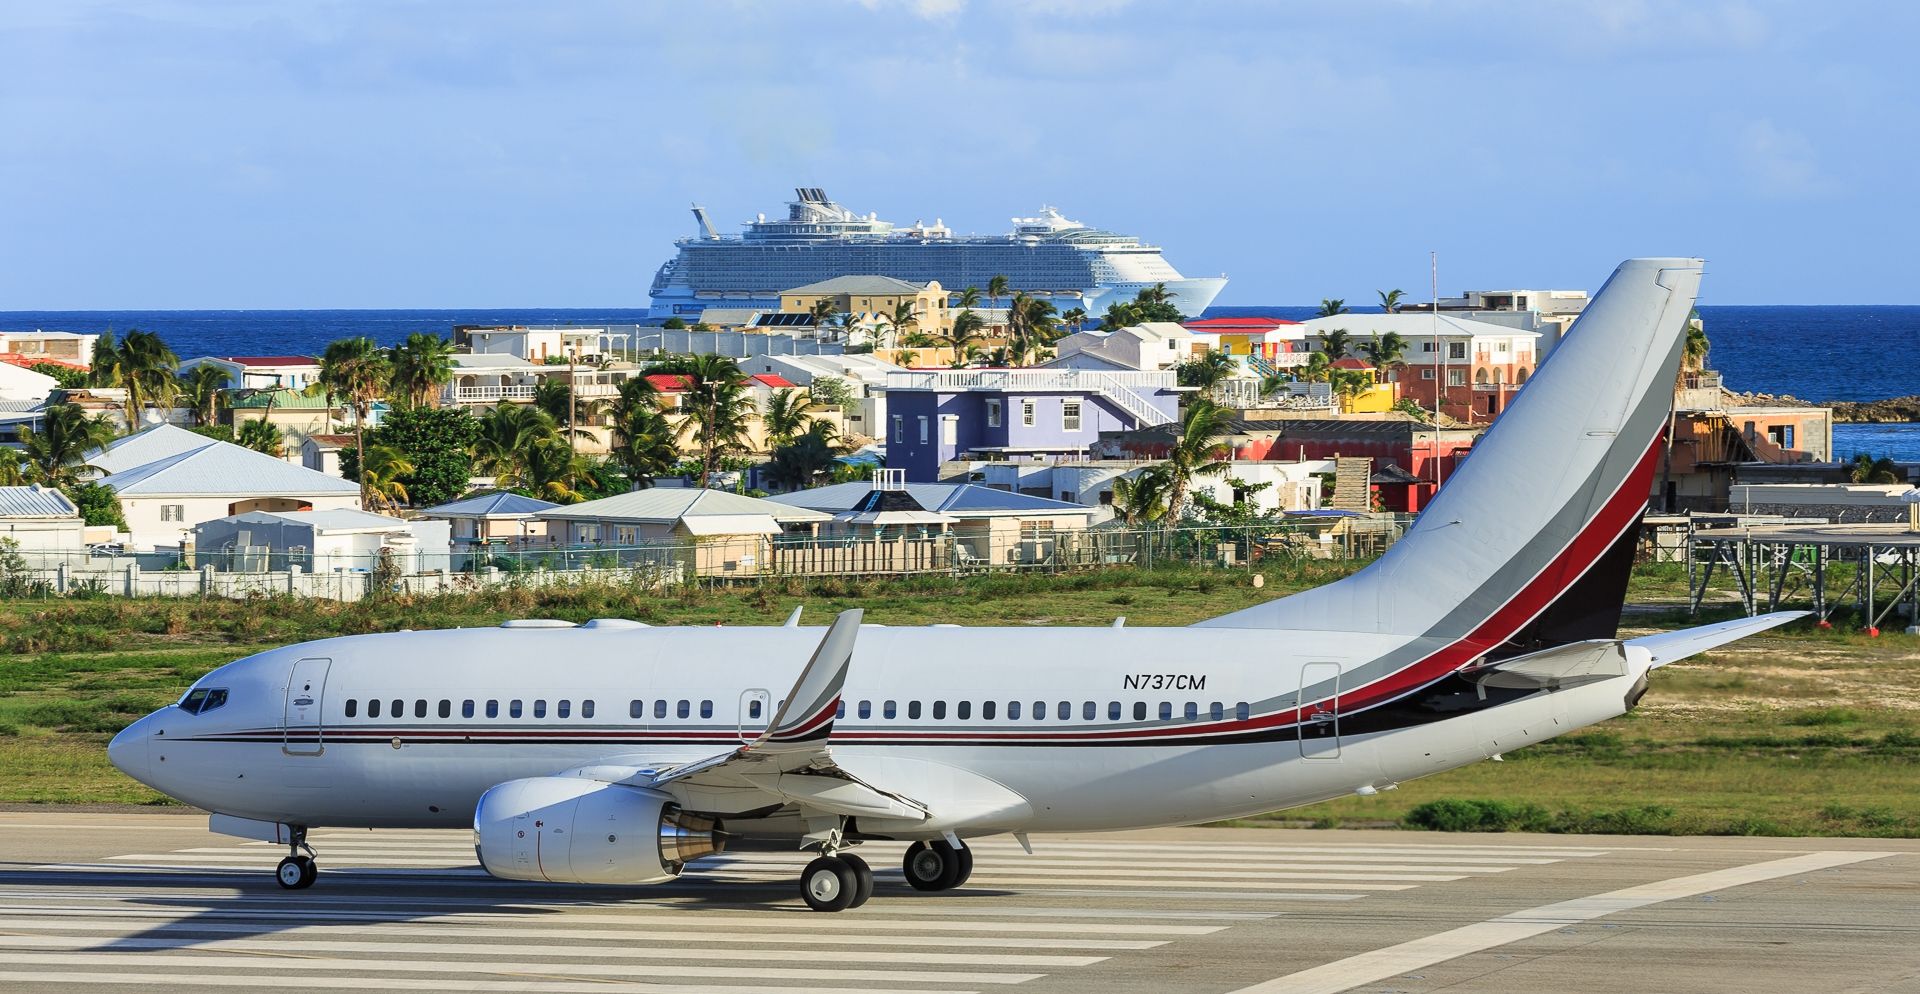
{"x": 1668, "y": 647}
{"x": 1553, "y": 669}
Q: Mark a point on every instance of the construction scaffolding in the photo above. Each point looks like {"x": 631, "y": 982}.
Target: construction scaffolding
{"x": 1871, "y": 570}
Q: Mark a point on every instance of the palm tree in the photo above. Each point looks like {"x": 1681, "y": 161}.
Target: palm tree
{"x": 554, "y": 472}
{"x": 1205, "y": 372}
{"x": 13, "y": 467}
{"x": 202, "y": 389}
{"x": 904, "y": 318}
{"x": 58, "y": 450}
{"x": 644, "y": 443}
{"x": 968, "y": 298}
{"x": 1330, "y": 306}
{"x": 1867, "y": 469}
{"x": 1033, "y": 325}
{"x": 1141, "y": 499}
{"x": 145, "y": 370}
{"x": 1120, "y": 315}
{"x": 422, "y": 365}
{"x": 1317, "y": 369}
{"x": 1385, "y": 352}
{"x": 1348, "y": 384}
{"x": 104, "y": 370}
{"x": 805, "y": 459}
{"x": 381, "y": 477}
{"x": 1694, "y": 358}
{"x": 357, "y": 372}
{"x": 556, "y": 398}
{"x": 507, "y": 433}
{"x": 849, "y": 323}
{"x": 261, "y": 435}
{"x": 1196, "y": 452}
{"x": 966, "y": 329}
{"x": 717, "y": 408}
{"x": 1074, "y": 318}
{"x": 786, "y": 416}
{"x": 1390, "y": 300}
{"x": 1337, "y": 344}
{"x": 996, "y": 288}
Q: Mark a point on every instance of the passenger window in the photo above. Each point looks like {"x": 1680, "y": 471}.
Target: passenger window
{"x": 1139, "y": 710}
{"x": 1013, "y": 710}
{"x": 659, "y": 709}
{"x": 353, "y": 707}
{"x": 1039, "y": 710}
{"x": 420, "y": 709}
{"x": 636, "y": 709}
{"x": 913, "y": 709}
{"x": 1090, "y": 712}
{"x": 540, "y": 708}
{"x": 1242, "y": 711}
{"x": 685, "y": 709}
{"x": 563, "y": 709}
{"x": 446, "y": 709}
{"x": 513, "y": 709}
{"x": 586, "y": 709}
{"x": 1065, "y": 710}
{"x": 840, "y": 710}
{"x": 706, "y": 709}
{"x": 753, "y": 708}
{"x": 1166, "y": 711}
{"x": 373, "y": 708}
{"x": 493, "y": 709}
{"x": 888, "y": 711}
{"x": 986, "y": 710}
{"x": 963, "y": 710}
{"x": 466, "y": 709}
{"x": 1113, "y": 710}
{"x": 1217, "y": 712}
{"x": 939, "y": 710}
{"x": 399, "y": 709}
{"x": 1193, "y": 710}
{"x": 866, "y": 709}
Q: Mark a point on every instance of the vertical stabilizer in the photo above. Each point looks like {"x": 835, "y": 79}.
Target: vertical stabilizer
{"x": 1529, "y": 542}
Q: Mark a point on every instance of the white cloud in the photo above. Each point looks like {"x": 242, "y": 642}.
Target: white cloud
{"x": 1780, "y": 163}
{"x": 931, "y": 10}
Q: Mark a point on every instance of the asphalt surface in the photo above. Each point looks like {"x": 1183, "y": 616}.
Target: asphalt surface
{"x": 108, "y": 901}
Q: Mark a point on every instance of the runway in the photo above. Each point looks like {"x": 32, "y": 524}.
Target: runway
{"x": 112, "y": 901}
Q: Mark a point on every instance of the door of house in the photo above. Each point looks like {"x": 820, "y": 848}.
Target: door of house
{"x": 1320, "y": 719}
{"x": 301, "y": 728}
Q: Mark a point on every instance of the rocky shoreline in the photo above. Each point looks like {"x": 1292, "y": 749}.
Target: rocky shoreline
{"x": 1893, "y": 410}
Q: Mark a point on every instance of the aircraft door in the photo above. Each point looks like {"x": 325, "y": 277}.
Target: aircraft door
{"x": 1320, "y": 700}
{"x": 756, "y": 710}
{"x": 300, "y": 726}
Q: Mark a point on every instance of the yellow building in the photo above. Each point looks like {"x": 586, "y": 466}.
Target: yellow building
{"x": 875, "y": 301}
{"x": 1377, "y": 398}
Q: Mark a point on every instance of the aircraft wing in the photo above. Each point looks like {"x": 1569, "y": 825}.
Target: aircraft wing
{"x": 789, "y": 763}
{"x": 1668, "y": 647}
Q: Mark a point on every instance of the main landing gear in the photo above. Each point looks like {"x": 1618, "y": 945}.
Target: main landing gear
{"x": 297, "y": 871}
{"x": 937, "y": 865}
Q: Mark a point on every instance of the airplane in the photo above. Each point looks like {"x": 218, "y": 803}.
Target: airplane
{"x": 612, "y": 752}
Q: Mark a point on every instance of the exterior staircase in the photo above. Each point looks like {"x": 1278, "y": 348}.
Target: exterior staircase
{"x": 1353, "y": 484}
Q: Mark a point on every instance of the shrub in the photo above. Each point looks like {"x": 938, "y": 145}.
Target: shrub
{"x": 1470, "y": 815}
{"x": 1824, "y": 716}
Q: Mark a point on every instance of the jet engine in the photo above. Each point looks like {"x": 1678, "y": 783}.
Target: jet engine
{"x": 571, "y": 830}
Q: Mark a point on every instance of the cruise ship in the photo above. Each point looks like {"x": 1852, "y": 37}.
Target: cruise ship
{"x": 1047, "y": 256}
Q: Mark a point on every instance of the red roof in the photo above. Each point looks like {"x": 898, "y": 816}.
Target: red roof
{"x": 29, "y": 361}
{"x": 671, "y": 382}
{"x": 774, "y": 380}
{"x": 1231, "y": 326}
{"x": 1349, "y": 362}
{"x": 271, "y": 360}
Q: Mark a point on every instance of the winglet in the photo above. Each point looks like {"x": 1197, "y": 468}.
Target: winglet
{"x": 1668, "y": 647}
{"x": 807, "y": 713}
{"x": 793, "y": 620}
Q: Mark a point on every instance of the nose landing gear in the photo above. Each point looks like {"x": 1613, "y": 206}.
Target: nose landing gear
{"x": 298, "y": 871}
{"x": 838, "y": 880}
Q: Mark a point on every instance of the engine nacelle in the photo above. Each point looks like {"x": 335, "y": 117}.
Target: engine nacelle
{"x": 572, "y": 830}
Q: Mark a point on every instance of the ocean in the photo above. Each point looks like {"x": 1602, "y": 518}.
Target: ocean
{"x": 1818, "y": 353}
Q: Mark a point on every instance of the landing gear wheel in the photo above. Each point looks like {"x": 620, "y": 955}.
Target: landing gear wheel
{"x": 864, "y": 874}
{"x": 829, "y": 884}
{"x": 934, "y": 866}
{"x": 965, "y": 856}
{"x": 296, "y": 873}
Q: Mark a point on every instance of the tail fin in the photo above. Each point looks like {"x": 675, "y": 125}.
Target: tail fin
{"x": 1529, "y": 543}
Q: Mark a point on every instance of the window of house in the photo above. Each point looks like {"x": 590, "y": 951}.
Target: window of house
{"x": 1070, "y": 416}
{"x": 1456, "y": 350}
{"x": 993, "y": 413}
{"x": 353, "y": 707}
{"x": 1456, "y": 377}
{"x": 1426, "y": 374}
{"x": 1026, "y": 413}
{"x": 446, "y": 709}
{"x": 1426, "y": 346}
{"x": 899, "y": 428}
{"x": 1501, "y": 346}
{"x": 626, "y": 534}
{"x": 173, "y": 512}
{"x": 563, "y": 709}
{"x": 923, "y": 430}
{"x": 540, "y": 708}
{"x": 1781, "y": 435}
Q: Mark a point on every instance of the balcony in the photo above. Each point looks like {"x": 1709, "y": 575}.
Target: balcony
{"x": 493, "y": 394}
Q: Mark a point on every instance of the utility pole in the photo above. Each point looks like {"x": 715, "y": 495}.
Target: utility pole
{"x": 1440, "y": 359}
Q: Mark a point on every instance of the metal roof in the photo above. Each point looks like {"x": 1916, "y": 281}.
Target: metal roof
{"x": 961, "y": 500}
{"x": 335, "y": 520}
{"x": 665, "y": 505}
{"x": 35, "y": 501}
{"x": 500, "y": 504}
{"x": 152, "y": 444}
{"x": 885, "y": 286}
{"x": 223, "y": 469}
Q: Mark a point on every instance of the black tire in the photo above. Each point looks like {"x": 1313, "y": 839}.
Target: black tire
{"x": 864, "y": 874}
{"x": 829, "y": 884}
{"x": 965, "y": 858}
{"x": 295, "y": 873}
{"x": 930, "y": 867}
{"x": 310, "y": 872}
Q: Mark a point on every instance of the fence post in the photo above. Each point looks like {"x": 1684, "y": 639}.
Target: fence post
{"x": 293, "y": 578}
{"x": 206, "y": 581}
{"x": 60, "y": 579}
{"x": 133, "y": 579}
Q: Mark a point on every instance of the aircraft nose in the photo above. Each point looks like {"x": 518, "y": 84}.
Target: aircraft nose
{"x": 128, "y": 750}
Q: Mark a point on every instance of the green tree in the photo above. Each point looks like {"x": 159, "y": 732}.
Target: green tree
{"x": 1074, "y": 318}
{"x": 1694, "y": 357}
{"x": 1032, "y": 326}
{"x": 1330, "y": 306}
{"x": 996, "y": 288}
{"x": 1390, "y": 300}
{"x": 1141, "y": 499}
{"x": 1205, "y": 372}
{"x": 1867, "y": 469}
{"x": 967, "y": 326}
{"x": 145, "y": 371}
{"x": 968, "y": 298}
{"x": 1348, "y": 384}
{"x": 356, "y": 371}
{"x": 14, "y": 468}
{"x": 1196, "y": 451}
{"x": 904, "y": 319}
{"x": 645, "y": 443}
{"x": 506, "y": 434}
{"x": 67, "y": 377}
{"x": 59, "y": 448}
{"x": 674, "y": 324}
{"x": 717, "y": 408}
{"x": 831, "y": 391}
{"x": 1337, "y": 344}
{"x": 203, "y": 388}
{"x": 383, "y": 478}
{"x": 436, "y": 441}
{"x": 261, "y": 435}
{"x": 98, "y": 505}
{"x": 104, "y": 370}
{"x": 422, "y": 366}
{"x": 1385, "y": 352}
{"x": 806, "y": 460}
{"x": 556, "y": 398}
{"x": 1155, "y": 303}
{"x": 1317, "y": 369}
{"x": 555, "y": 472}
{"x": 786, "y": 416}
{"x": 1120, "y": 315}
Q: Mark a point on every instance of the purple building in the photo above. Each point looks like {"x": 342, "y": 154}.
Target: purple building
{"x": 941, "y": 416}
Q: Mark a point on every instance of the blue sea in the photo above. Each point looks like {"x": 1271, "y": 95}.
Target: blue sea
{"x": 1817, "y": 353}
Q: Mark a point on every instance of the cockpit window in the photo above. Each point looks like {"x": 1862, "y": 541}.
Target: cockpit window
{"x": 200, "y": 700}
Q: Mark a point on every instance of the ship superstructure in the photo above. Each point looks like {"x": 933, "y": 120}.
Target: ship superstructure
{"x": 1047, "y": 256}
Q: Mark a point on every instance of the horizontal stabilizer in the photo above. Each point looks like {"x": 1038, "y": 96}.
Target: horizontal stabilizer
{"x": 1668, "y": 647}
{"x": 1553, "y": 669}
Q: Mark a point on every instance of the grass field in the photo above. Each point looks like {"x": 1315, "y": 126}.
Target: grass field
{"x": 1797, "y": 732}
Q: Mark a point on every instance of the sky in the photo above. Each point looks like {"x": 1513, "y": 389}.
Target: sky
{"x": 391, "y": 153}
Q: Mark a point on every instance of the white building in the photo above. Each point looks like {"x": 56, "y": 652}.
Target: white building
{"x": 321, "y": 453}
{"x": 865, "y": 376}
{"x": 261, "y": 372}
{"x": 19, "y": 383}
{"x": 1292, "y": 485}
{"x": 542, "y": 345}
{"x": 69, "y": 347}
{"x": 40, "y": 519}
{"x": 483, "y": 380}
{"x": 320, "y": 542}
{"x": 1153, "y": 345}
{"x": 168, "y": 482}
{"x": 500, "y": 518}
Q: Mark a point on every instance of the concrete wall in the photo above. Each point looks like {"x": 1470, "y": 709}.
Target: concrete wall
{"x": 144, "y": 514}
{"x": 49, "y": 534}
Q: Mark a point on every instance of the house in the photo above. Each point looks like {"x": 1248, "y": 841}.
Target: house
{"x": 542, "y": 345}
{"x": 21, "y": 383}
{"x": 1474, "y": 368}
{"x": 61, "y": 347}
{"x": 865, "y": 414}
{"x": 1715, "y": 443}
{"x": 262, "y": 372}
{"x": 184, "y": 484}
{"x": 496, "y": 518}
{"x": 321, "y": 453}
{"x": 1549, "y": 312}
{"x": 40, "y": 519}
{"x": 938, "y": 417}
{"x": 1289, "y": 486}
{"x": 20, "y": 414}
{"x": 872, "y": 302}
{"x": 486, "y": 379}
{"x": 320, "y": 542}
{"x": 1267, "y": 344}
{"x": 988, "y": 526}
{"x": 298, "y": 415}
{"x": 1148, "y": 346}
{"x": 727, "y": 534}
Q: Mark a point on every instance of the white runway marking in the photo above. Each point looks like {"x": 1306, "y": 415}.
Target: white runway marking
{"x": 1393, "y": 961}
{"x": 409, "y": 984}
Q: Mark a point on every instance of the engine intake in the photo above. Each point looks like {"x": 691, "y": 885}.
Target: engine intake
{"x": 572, "y": 830}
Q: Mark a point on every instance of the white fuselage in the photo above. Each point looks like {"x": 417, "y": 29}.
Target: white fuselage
{"x": 261, "y": 756}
